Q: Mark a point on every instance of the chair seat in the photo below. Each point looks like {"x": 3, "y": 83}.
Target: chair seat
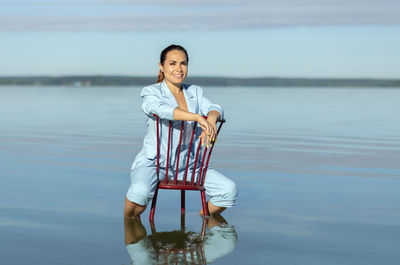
{"x": 180, "y": 185}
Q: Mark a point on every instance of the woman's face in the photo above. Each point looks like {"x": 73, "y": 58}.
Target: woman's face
{"x": 175, "y": 67}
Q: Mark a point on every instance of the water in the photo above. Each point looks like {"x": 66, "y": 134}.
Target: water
{"x": 317, "y": 170}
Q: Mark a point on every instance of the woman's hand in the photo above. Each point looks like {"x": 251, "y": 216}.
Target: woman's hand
{"x": 209, "y": 128}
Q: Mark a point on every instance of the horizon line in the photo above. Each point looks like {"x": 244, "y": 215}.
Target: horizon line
{"x": 200, "y": 76}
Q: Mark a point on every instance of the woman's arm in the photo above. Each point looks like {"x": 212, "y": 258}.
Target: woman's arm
{"x": 214, "y": 116}
{"x": 207, "y": 107}
{"x": 183, "y": 115}
{"x": 208, "y": 126}
{"x": 153, "y": 103}
{"x": 214, "y": 112}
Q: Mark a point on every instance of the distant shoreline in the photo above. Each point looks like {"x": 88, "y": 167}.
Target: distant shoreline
{"x": 104, "y": 80}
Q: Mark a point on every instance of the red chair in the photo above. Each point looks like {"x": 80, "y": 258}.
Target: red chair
{"x": 192, "y": 183}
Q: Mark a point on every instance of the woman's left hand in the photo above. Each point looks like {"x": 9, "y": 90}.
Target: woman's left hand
{"x": 209, "y": 132}
{"x": 213, "y": 117}
{"x": 213, "y": 123}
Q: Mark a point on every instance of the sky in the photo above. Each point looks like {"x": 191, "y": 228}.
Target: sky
{"x": 253, "y": 38}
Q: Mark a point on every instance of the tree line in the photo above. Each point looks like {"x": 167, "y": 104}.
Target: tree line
{"x": 102, "y": 80}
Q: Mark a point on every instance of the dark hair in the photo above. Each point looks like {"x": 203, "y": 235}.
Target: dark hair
{"x": 163, "y": 56}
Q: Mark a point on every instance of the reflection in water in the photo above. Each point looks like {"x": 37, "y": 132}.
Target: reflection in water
{"x": 179, "y": 246}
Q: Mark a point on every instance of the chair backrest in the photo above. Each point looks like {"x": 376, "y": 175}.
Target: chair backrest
{"x": 203, "y": 159}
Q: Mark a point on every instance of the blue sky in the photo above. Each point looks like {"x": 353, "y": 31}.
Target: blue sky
{"x": 286, "y": 38}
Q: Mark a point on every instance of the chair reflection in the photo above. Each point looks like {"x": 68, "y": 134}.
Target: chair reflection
{"x": 216, "y": 239}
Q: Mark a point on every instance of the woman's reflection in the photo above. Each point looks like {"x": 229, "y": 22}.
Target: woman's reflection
{"x": 180, "y": 247}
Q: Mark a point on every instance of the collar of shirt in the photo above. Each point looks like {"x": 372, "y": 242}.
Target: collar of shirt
{"x": 190, "y": 98}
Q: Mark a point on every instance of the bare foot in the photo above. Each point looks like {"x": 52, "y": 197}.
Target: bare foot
{"x": 212, "y": 209}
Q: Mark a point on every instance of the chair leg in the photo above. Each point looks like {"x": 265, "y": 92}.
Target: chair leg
{"x": 204, "y": 227}
{"x": 153, "y": 205}
{"x": 182, "y": 201}
{"x": 182, "y": 222}
{"x": 204, "y": 203}
{"x": 153, "y": 227}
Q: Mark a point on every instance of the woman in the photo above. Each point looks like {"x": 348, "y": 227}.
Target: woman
{"x": 170, "y": 99}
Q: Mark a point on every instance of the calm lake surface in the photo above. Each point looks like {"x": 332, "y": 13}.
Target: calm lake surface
{"x": 318, "y": 172}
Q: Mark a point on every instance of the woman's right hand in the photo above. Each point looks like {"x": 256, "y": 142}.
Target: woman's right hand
{"x": 209, "y": 131}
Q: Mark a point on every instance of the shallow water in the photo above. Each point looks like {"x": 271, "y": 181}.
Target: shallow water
{"x": 317, "y": 169}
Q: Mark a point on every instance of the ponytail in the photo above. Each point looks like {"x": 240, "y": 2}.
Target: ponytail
{"x": 160, "y": 77}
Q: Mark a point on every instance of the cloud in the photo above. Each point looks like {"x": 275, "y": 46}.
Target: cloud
{"x": 204, "y": 15}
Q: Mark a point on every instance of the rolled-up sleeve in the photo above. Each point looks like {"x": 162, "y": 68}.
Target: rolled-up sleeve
{"x": 206, "y": 105}
{"x": 153, "y": 103}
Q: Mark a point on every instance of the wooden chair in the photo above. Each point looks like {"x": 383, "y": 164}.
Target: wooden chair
{"x": 192, "y": 183}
